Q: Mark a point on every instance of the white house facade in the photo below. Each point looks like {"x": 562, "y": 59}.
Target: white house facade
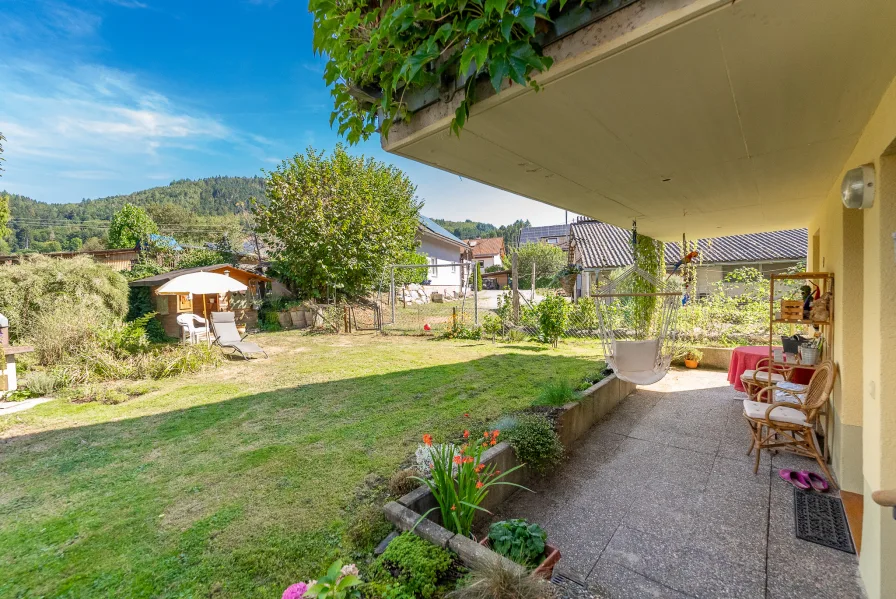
{"x": 445, "y": 253}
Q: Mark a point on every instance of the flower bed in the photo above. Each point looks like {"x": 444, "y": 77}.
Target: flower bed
{"x": 574, "y": 420}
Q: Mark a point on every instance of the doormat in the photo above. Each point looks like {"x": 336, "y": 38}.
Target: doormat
{"x": 820, "y": 519}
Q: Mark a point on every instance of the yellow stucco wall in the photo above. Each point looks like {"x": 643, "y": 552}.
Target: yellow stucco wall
{"x": 858, "y": 247}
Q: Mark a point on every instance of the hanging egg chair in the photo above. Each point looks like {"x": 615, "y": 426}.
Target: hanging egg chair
{"x": 637, "y": 316}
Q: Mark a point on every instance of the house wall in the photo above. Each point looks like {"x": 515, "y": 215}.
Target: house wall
{"x": 443, "y": 252}
{"x": 858, "y": 247}
{"x": 488, "y": 260}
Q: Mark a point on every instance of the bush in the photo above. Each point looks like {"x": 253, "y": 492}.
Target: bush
{"x": 127, "y": 339}
{"x": 40, "y": 285}
{"x": 495, "y": 581}
{"x": 519, "y": 541}
{"x": 367, "y": 527}
{"x": 42, "y": 383}
{"x": 553, "y": 315}
{"x": 462, "y": 331}
{"x": 556, "y": 393}
{"x": 535, "y": 442}
{"x": 418, "y": 565}
{"x": 64, "y": 330}
{"x": 403, "y": 481}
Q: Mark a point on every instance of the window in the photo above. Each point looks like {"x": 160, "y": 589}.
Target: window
{"x": 184, "y": 303}
{"x": 482, "y": 263}
{"x": 453, "y": 268}
{"x": 552, "y": 240}
{"x": 433, "y": 270}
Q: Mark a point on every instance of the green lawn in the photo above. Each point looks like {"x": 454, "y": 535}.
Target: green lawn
{"x": 233, "y": 483}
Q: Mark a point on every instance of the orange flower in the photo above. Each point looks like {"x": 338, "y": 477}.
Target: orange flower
{"x": 468, "y": 460}
{"x": 428, "y": 440}
{"x": 495, "y": 434}
{"x": 457, "y": 459}
{"x": 479, "y": 468}
{"x": 453, "y": 508}
{"x": 479, "y": 484}
{"x": 485, "y": 434}
{"x": 493, "y": 442}
{"x": 485, "y": 444}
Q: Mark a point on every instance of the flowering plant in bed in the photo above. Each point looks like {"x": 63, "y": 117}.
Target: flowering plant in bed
{"x": 460, "y": 492}
{"x": 339, "y": 582}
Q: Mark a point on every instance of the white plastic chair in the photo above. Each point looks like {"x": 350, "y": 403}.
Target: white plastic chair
{"x": 189, "y": 330}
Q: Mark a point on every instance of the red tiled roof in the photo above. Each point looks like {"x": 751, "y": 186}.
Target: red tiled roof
{"x": 491, "y": 246}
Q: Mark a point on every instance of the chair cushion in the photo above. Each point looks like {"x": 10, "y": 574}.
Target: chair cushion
{"x": 762, "y": 375}
{"x": 635, "y": 356}
{"x": 800, "y": 390}
{"x": 755, "y": 409}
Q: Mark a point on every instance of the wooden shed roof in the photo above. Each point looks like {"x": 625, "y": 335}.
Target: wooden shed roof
{"x": 157, "y": 280}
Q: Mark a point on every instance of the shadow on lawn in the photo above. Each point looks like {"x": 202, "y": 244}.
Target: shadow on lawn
{"x": 294, "y": 452}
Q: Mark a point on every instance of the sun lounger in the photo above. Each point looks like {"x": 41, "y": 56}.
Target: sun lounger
{"x": 226, "y": 336}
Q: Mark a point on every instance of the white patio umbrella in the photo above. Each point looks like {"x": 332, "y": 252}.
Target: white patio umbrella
{"x": 201, "y": 283}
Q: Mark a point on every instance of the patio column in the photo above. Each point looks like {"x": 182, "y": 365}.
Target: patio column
{"x": 879, "y": 396}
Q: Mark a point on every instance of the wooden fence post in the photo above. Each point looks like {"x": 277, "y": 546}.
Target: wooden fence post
{"x": 515, "y": 289}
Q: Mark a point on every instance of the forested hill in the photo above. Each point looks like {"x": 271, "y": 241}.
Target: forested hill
{"x": 470, "y": 229}
{"x": 44, "y": 226}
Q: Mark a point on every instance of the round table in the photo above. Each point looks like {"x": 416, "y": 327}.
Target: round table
{"x": 746, "y": 357}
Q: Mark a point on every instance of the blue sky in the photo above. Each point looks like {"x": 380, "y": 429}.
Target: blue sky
{"x": 99, "y": 97}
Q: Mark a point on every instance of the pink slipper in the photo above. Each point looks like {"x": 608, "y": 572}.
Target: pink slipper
{"x": 817, "y": 481}
{"x": 796, "y": 479}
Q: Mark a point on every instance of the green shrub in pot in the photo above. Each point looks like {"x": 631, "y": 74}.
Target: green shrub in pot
{"x": 518, "y": 540}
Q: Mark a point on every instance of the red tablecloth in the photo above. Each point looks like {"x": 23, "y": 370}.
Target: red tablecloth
{"x": 746, "y": 358}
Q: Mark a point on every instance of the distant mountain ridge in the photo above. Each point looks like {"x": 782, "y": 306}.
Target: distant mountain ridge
{"x": 36, "y": 224}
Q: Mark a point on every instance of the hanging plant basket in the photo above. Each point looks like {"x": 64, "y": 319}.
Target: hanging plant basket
{"x": 568, "y": 283}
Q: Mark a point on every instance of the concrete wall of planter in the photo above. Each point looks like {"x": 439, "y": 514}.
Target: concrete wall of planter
{"x": 714, "y": 357}
{"x": 574, "y": 421}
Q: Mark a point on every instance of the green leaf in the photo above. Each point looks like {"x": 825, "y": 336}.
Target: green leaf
{"x": 526, "y": 18}
{"x": 498, "y": 70}
{"x": 444, "y": 32}
{"x": 499, "y": 6}
{"x": 507, "y": 25}
{"x": 475, "y": 25}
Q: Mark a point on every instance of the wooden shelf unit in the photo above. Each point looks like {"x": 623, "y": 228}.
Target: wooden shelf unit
{"x": 825, "y": 282}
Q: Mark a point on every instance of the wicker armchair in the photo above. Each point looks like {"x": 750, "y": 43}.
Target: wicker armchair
{"x": 788, "y": 423}
{"x": 765, "y": 375}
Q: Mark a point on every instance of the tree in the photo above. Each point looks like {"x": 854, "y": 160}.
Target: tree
{"x": 337, "y": 221}
{"x": 4, "y": 201}
{"x": 130, "y": 226}
{"x": 478, "y": 277}
{"x": 407, "y": 276}
{"x": 548, "y": 260}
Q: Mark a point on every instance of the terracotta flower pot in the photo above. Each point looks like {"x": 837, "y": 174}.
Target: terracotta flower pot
{"x": 691, "y": 363}
{"x": 546, "y": 568}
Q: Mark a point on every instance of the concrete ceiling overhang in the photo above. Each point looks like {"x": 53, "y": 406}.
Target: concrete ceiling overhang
{"x": 700, "y": 117}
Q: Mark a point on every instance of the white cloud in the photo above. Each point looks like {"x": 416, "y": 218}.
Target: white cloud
{"x": 94, "y": 117}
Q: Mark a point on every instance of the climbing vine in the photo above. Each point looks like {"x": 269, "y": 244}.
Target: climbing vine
{"x": 379, "y": 51}
{"x": 648, "y": 254}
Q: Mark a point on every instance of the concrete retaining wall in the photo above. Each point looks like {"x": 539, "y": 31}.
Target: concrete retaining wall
{"x": 575, "y": 420}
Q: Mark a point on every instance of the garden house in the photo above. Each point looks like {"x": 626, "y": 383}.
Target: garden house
{"x": 244, "y": 305}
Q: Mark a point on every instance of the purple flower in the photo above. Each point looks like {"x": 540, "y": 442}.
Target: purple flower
{"x": 295, "y": 591}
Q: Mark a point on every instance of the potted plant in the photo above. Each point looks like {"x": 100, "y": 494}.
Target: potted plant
{"x": 692, "y": 357}
{"x": 524, "y": 543}
{"x": 567, "y": 277}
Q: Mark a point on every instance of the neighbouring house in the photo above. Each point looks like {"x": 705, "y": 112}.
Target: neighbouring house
{"x": 553, "y": 234}
{"x": 600, "y": 247}
{"x": 716, "y": 118}
{"x": 115, "y": 259}
{"x": 488, "y": 252}
{"x": 443, "y": 248}
{"x": 244, "y": 305}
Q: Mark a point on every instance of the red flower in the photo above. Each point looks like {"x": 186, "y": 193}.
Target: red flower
{"x": 479, "y": 484}
{"x": 428, "y": 440}
{"x": 496, "y": 433}
{"x": 466, "y": 434}
{"x": 493, "y": 442}
{"x": 457, "y": 459}
{"x": 466, "y": 415}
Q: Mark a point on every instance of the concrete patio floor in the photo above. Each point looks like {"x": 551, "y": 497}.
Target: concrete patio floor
{"x": 660, "y": 500}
